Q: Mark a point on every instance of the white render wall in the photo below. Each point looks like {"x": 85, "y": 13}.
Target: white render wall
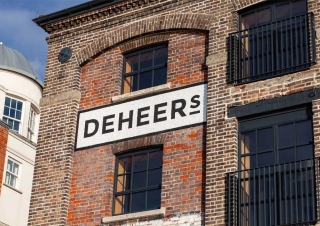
{"x": 14, "y": 203}
{"x": 25, "y": 90}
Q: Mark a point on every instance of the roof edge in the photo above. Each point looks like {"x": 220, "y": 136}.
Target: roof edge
{"x": 25, "y": 73}
{"x": 73, "y": 11}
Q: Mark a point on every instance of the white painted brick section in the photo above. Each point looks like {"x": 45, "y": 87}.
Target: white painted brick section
{"x": 186, "y": 219}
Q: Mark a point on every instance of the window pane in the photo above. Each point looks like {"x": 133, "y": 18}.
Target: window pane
{"x": 154, "y": 177}
{"x": 123, "y": 183}
{"x": 248, "y": 162}
{"x": 286, "y": 135}
{"x": 8, "y": 178}
{"x": 132, "y": 64}
{"x": 124, "y": 165}
{"x": 12, "y": 113}
{"x": 304, "y": 132}
{"x": 265, "y": 159}
{"x": 145, "y": 80}
{"x": 13, "y": 103}
{"x": 138, "y": 201}
{"x": 122, "y": 204}
{"x": 155, "y": 159}
{"x": 135, "y": 83}
{"x": 19, "y": 106}
{"x": 10, "y": 165}
{"x": 248, "y": 142}
{"x": 6, "y": 111}
{"x": 304, "y": 152}
{"x": 154, "y": 199}
{"x": 16, "y": 126}
{"x": 265, "y": 139}
{"x": 139, "y": 180}
{"x": 140, "y": 162}
{"x": 286, "y": 155}
{"x": 263, "y": 16}
{"x": 283, "y": 11}
{"x": 161, "y": 56}
{"x": 160, "y": 76}
{"x": 146, "y": 60}
{"x": 15, "y": 168}
{"x": 248, "y": 21}
{"x": 18, "y": 115}
{"x": 10, "y": 122}
{"x": 7, "y": 102}
{"x": 127, "y": 83}
{"x": 299, "y": 7}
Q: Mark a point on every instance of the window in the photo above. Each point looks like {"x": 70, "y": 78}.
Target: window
{"x": 12, "y": 173}
{"x": 144, "y": 69}
{"x": 276, "y": 178}
{"x": 272, "y": 40}
{"x": 138, "y": 178}
{"x": 31, "y": 124}
{"x": 12, "y": 113}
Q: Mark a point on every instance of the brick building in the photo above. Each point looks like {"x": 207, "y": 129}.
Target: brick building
{"x": 179, "y": 112}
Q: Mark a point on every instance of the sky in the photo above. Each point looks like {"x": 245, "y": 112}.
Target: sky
{"x": 19, "y": 32}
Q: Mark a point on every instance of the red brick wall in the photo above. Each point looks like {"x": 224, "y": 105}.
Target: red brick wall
{"x": 183, "y": 160}
{"x": 3, "y": 149}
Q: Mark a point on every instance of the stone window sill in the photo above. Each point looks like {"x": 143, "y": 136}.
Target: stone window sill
{"x": 131, "y": 216}
{"x": 152, "y": 90}
{"x": 12, "y": 188}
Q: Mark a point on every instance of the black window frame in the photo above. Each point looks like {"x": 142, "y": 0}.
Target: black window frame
{"x": 260, "y": 176}
{"x": 284, "y": 46}
{"x": 141, "y": 189}
{"x": 138, "y": 52}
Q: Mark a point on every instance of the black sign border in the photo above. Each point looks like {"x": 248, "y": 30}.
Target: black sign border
{"x": 133, "y": 99}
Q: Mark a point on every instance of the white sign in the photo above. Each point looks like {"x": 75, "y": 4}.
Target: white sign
{"x": 166, "y": 111}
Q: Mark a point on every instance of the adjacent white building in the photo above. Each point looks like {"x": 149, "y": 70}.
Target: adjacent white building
{"x": 20, "y": 93}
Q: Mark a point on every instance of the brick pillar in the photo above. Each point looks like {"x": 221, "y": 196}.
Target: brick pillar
{"x": 54, "y": 158}
{"x": 3, "y": 148}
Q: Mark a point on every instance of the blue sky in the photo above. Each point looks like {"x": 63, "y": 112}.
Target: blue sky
{"x": 19, "y": 32}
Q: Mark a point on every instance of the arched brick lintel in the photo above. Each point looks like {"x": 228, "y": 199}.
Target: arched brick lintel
{"x": 241, "y": 4}
{"x": 144, "y": 26}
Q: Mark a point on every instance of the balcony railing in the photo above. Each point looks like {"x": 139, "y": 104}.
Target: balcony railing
{"x": 283, "y": 194}
{"x": 271, "y": 50}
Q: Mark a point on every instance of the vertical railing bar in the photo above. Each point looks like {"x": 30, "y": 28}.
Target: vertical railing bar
{"x": 272, "y": 31}
{"x": 301, "y": 43}
{"x": 236, "y": 201}
{"x": 290, "y": 193}
{"x": 296, "y": 45}
{"x": 259, "y": 199}
{"x": 275, "y": 195}
{"x": 292, "y": 40}
{"x": 239, "y": 198}
{"x": 267, "y": 48}
{"x": 313, "y": 37}
{"x": 286, "y": 49}
{"x": 262, "y": 50}
{"x": 254, "y": 198}
{"x": 258, "y": 51}
{"x": 306, "y": 49}
{"x": 282, "y": 46}
{"x": 285, "y": 193}
{"x": 270, "y": 198}
{"x": 296, "y": 189}
{"x": 301, "y": 192}
{"x": 264, "y": 196}
{"x": 240, "y": 55}
{"x": 279, "y": 195}
{"x": 313, "y": 193}
{"x": 307, "y": 189}
{"x": 228, "y": 199}
{"x": 253, "y": 53}
{"x": 277, "y": 53}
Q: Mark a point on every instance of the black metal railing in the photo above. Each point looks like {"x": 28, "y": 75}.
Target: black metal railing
{"x": 283, "y": 194}
{"x": 272, "y": 49}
